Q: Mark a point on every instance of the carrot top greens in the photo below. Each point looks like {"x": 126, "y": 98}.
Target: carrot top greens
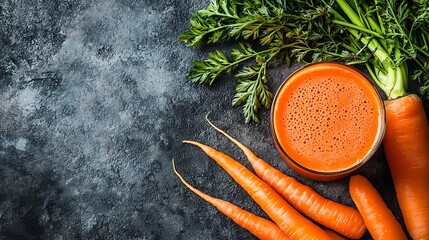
{"x": 389, "y": 37}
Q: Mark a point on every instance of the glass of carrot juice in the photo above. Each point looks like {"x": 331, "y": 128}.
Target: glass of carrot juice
{"x": 327, "y": 120}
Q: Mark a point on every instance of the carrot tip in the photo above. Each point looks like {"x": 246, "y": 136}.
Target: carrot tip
{"x": 189, "y": 142}
{"x": 174, "y": 165}
{"x": 207, "y": 116}
{"x": 214, "y": 126}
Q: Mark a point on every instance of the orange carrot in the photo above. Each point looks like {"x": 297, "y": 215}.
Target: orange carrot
{"x": 379, "y": 220}
{"x": 343, "y": 219}
{"x": 334, "y": 235}
{"x": 260, "y": 227}
{"x": 406, "y": 145}
{"x": 284, "y": 215}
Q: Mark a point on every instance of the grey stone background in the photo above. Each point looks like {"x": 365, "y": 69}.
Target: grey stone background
{"x": 94, "y": 104}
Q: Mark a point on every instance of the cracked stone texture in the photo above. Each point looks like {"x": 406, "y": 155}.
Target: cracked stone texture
{"x": 94, "y": 104}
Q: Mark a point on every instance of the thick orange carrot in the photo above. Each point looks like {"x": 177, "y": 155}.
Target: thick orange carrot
{"x": 379, "y": 220}
{"x": 406, "y": 145}
{"x": 260, "y": 227}
{"x": 284, "y": 215}
{"x": 343, "y": 219}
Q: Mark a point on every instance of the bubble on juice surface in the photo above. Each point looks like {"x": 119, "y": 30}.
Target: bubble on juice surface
{"x": 326, "y": 118}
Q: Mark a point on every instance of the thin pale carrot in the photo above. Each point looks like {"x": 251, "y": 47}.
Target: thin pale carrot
{"x": 260, "y": 227}
{"x": 284, "y": 215}
{"x": 341, "y": 218}
{"x": 406, "y": 145}
{"x": 379, "y": 220}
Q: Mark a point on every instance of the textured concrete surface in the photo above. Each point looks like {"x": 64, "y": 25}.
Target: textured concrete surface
{"x": 94, "y": 104}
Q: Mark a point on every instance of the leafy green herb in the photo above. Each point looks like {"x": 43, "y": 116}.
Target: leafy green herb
{"x": 238, "y": 20}
{"x": 390, "y": 37}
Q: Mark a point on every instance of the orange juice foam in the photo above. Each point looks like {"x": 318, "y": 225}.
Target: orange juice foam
{"x": 327, "y": 117}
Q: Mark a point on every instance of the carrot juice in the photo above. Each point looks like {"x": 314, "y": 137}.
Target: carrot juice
{"x": 327, "y": 120}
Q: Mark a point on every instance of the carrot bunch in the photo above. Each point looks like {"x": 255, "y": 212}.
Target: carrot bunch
{"x": 283, "y": 199}
{"x": 258, "y": 226}
{"x": 304, "y": 198}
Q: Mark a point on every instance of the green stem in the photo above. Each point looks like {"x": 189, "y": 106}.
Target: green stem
{"x": 362, "y": 29}
{"x": 393, "y": 81}
{"x": 350, "y": 13}
{"x": 390, "y": 78}
{"x": 380, "y": 20}
{"x": 224, "y": 15}
{"x": 275, "y": 50}
{"x": 422, "y": 51}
